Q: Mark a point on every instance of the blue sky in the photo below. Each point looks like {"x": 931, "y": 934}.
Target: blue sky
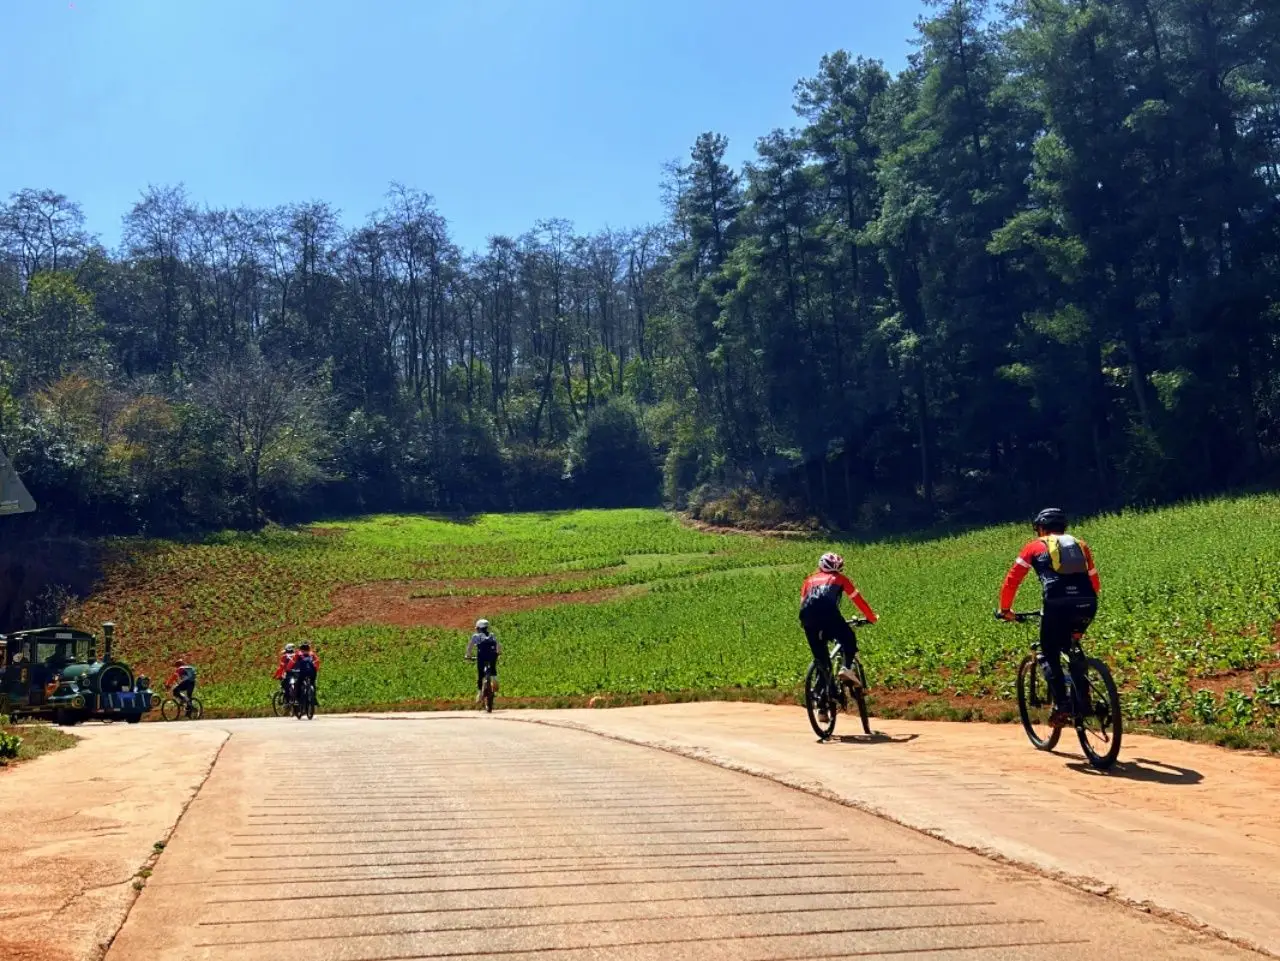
{"x": 506, "y": 111}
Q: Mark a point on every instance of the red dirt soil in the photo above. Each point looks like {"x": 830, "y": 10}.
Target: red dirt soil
{"x": 389, "y": 603}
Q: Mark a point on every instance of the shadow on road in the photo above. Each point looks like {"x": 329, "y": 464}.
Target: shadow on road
{"x": 875, "y": 737}
{"x": 1144, "y": 769}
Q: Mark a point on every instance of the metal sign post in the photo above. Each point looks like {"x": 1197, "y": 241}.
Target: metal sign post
{"x": 14, "y": 498}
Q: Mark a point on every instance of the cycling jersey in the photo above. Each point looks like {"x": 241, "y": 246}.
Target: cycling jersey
{"x": 1064, "y": 565}
{"x": 304, "y": 661}
{"x": 283, "y": 667}
{"x": 820, "y": 597}
{"x": 182, "y": 675}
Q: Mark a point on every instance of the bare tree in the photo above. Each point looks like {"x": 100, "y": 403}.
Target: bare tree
{"x": 271, "y": 424}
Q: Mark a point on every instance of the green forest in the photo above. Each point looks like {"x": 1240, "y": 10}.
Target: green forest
{"x": 1042, "y": 262}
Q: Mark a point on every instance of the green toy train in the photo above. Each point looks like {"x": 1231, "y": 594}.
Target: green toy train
{"x": 54, "y": 673}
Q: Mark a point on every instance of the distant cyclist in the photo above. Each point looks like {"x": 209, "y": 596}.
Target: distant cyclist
{"x": 1069, "y": 579}
{"x": 182, "y": 682}
{"x": 822, "y": 621}
{"x": 486, "y": 647}
{"x": 282, "y": 668}
{"x": 305, "y": 664}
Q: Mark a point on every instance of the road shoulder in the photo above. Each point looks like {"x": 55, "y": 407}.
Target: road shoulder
{"x": 80, "y": 826}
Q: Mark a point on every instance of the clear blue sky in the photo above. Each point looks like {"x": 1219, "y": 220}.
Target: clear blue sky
{"x": 506, "y": 111}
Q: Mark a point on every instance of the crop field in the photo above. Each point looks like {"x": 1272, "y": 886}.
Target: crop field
{"x": 632, "y": 603}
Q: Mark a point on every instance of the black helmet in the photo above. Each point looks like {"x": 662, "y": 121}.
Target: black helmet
{"x": 1052, "y": 519}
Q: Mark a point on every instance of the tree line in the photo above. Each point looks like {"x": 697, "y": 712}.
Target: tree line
{"x": 1040, "y": 262}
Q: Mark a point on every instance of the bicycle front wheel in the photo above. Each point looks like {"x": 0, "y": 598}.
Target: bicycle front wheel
{"x": 817, "y": 696}
{"x": 1035, "y": 704}
{"x": 1100, "y": 727}
{"x": 170, "y": 710}
{"x": 860, "y": 696}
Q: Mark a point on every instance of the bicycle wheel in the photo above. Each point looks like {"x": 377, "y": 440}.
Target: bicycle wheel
{"x": 196, "y": 711}
{"x": 1035, "y": 704}
{"x": 310, "y": 695}
{"x": 278, "y": 706}
{"x": 1101, "y": 726}
{"x": 816, "y": 697}
{"x": 859, "y": 695}
{"x": 488, "y": 695}
{"x": 169, "y": 709}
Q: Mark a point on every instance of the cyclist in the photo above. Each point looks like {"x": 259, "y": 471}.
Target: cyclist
{"x": 487, "y": 649}
{"x": 182, "y": 682}
{"x": 1069, "y": 580}
{"x": 305, "y": 663}
{"x": 822, "y": 621}
{"x": 282, "y": 668}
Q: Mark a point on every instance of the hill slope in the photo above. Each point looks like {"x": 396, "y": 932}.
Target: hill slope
{"x": 631, "y": 602}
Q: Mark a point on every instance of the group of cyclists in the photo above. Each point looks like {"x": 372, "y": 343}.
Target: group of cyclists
{"x": 301, "y": 662}
{"x": 1069, "y": 587}
{"x": 1063, "y": 563}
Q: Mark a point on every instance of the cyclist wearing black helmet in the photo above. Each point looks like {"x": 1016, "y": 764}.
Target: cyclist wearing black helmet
{"x": 1069, "y": 579}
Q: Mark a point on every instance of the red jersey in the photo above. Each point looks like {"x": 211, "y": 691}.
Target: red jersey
{"x": 820, "y": 596}
{"x": 1064, "y": 565}
{"x": 283, "y": 665}
{"x": 299, "y": 657}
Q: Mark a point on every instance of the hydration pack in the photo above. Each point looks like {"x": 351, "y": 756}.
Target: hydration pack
{"x": 1065, "y": 554}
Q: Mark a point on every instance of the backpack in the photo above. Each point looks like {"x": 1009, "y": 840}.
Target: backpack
{"x": 1066, "y": 554}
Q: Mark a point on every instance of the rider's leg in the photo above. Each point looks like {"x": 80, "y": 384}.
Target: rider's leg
{"x": 1055, "y": 638}
{"x": 843, "y": 633}
{"x": 1082, "y": 615}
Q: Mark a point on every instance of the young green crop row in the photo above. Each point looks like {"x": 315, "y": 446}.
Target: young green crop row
{"x": 1189, "y": 593}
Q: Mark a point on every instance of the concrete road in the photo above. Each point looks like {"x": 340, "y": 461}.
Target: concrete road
{"x": 469, "y": 836}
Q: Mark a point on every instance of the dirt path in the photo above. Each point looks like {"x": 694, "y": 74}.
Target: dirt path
{"x": 1186, "y": 829}
{"x": 448, "y": 836}
{"x": 78, "y": 825}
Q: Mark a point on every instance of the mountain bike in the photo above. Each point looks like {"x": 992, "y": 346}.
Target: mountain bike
{"x": 836, "y": 694}
{"x": 1091, "y": 693}
{"x": 185, "y": 709}
{"x": 282, "y": 698}
{"x": 304, "y": 702}
{"x": 486, "y": 687}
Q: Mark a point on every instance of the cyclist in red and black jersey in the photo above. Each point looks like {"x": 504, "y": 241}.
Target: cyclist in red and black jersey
{"x": 1069, "y": 579}
{"x": 821, "y": 618}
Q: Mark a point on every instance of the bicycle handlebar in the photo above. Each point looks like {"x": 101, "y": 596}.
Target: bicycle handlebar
{"x": 1021, "y": 617}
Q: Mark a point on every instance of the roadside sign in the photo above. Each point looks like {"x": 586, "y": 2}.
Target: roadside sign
{"x": 14, "y": 498}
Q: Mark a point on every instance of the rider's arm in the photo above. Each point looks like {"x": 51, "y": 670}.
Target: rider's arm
{"x": 856, "y": 596}
{"x": 1017, "y": 573}
{"x": 173, "y": 679}
{"x": 471, "y": 645}
{"x": 1093, "y": 568}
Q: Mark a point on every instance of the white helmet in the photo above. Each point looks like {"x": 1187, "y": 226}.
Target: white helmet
{"x": 831, "y": 563}
{"x": 288, "y": 648}
{"x": 482, "y": 625}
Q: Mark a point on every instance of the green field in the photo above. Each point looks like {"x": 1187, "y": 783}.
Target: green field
{"x": 1190, "y": 609}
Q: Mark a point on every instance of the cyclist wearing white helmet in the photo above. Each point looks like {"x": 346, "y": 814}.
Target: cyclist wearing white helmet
{"x": 821, "y": 618}
{"x": 282, "y": 667}
{"x": 487, "y": 649}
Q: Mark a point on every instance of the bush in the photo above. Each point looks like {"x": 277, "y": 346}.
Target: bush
{"x": 610, "y": 460}
{"x": 749, "y": 509}
{"x": 9, "y": 744}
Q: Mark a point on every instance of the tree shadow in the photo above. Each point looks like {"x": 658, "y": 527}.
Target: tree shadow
{"x": 1143, "y": 769}
{"x": 875, "y": 737}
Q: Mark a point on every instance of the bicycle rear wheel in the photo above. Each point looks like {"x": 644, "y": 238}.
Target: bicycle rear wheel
{"x": 1101, "y": 726}
{"x": 1035, "y": 704}
{"x": 817, "y": 695}
{"x": 197, "y": 710}
{"x": 278, "y": 706}
{"x": 311, "y": 701}
{"x": 488, "y": 695}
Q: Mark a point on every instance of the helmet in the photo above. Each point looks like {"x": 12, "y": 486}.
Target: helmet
{"x": 306, "y": 646}
{"x": 179, "y": 662}
{"x": 482, "y": 625}
{"x": 1052, "y": 519}
{"x": 288, "y": 648}
{"x": 831, "y": 562}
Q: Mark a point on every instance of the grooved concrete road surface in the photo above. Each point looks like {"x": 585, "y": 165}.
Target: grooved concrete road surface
{"x": 472, "y": 836}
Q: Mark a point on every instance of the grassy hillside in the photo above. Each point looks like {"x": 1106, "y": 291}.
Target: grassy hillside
{"x": 631, "y": 602}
